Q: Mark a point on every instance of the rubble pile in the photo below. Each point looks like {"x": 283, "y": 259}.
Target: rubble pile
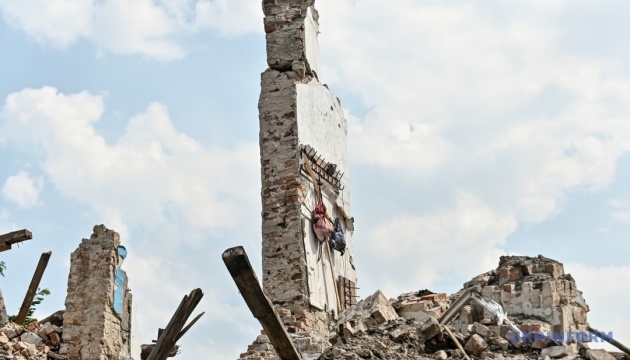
{"x": 534, "y": 291}
{"x": 373, "y": 330}
{"x": 421, "y": 304}
{"x": 31, "y": 342}
{"x": 308, "y": 345}
{"x": 536, "y": 294}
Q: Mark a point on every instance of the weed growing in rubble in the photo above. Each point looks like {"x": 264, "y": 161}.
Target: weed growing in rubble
{"x": 39, "y": 297}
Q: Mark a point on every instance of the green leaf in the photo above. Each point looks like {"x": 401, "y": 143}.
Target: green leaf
{"x": 39, "y": 297}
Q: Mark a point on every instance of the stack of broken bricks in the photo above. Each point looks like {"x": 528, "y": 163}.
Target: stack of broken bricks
{"x": 540, "y": 299}
{"x": 536, "y": 293}
{"x": 34, "y": 340}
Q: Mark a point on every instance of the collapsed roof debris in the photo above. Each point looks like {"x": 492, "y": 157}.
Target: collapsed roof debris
{"x": 543, "y": 302}
{"x": 31, "y": 342}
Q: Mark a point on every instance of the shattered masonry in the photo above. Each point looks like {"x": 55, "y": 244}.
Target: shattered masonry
{"x": 3, "y": 311}
{"x": 535, "y": 288}
{"x": 297, "y": 110}
{"x": 536, "y": 293}
{"x": 91, "y": 328}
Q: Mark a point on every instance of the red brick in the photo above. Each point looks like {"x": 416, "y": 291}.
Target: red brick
{"x": 515, "y": 274}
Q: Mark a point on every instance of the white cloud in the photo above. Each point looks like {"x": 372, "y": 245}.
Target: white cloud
{"x": 490, "y": 100}
{"x": 152, "y": 28}
{"x": 136, "y": 26}
{"x": 59, "y": 22}
{"x": 470, "y": 92}
{"x": 424, "y": 249}
{"x": 230, "y": 17}
{"x": 22, "y": 190}
{"x": 151, "y": 174}
{"x": 620, "y": 210}
{"x": 604, "y": 292}
{"x": 5, "y": 225}
{"x": 172, "y": 199}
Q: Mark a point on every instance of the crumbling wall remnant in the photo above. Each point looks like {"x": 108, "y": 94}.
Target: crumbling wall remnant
{"x": 91, "y": 328}
{"x": 297, "y": 110}
{"x": 533, "y": 290}
{"x": 4, "y": 319}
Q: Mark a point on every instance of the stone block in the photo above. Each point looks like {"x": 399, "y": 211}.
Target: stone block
{"x": 12, "y": 330}
{"x": 440, "y": 355}
{"x": 579, "y": 315}
{"x": 3, "y": 339}
{"x": 535, "y": 298}
{"x": 599, "y": 354}
{"x": 502, "y": 343}
{"x": 554, "y": 270}
{"x": 556, "y": 352}
{"x": 401, "y": 331}
{"x": 31, "y": 338}
{"x": 434, "y": 297}
{"x": 483, "y": 330}
{"x": 414, "y": 306}
{"x": 504, "y": 275}
{"x": 55, "y": 340}
{"x": 515, "y": 273}
{"x": 373, "y": 310}
{"x": 430, "y": 327}
{"x": 475, "y": 345}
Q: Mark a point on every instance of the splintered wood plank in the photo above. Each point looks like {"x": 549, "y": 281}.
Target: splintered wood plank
{"x": 165, "y": 344}
{"x": 6, "y": 240}
{"x": 32, "y": 289}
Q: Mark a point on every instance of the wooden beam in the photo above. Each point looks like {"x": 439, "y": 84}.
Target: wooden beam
{"x": 238, "y": 264}
{"x": 185, "y": 330}
{"x": 170, "y": 335}
{"x": 32, "y": 289}
{"x": 15, "y": 237}
{"x": 452, "y": 336}
{"x": 55, "y": 318}
{"x": 610, "y": 340}
{"x": 146, "y": 349}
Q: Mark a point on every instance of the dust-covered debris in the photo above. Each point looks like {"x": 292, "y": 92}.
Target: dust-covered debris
{"x": 31, "y": 342}
{"x": 538, "y": 296}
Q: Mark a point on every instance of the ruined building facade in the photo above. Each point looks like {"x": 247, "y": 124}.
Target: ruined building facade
{"x": 93, "y": 327}
{"x": 302, "y": 125}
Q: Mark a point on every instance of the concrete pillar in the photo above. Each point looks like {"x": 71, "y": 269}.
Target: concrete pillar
{"x": 92, "y": 328}
{"x": 296, "y": 109}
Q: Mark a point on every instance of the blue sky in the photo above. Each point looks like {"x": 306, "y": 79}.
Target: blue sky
{"x": 476, "y": 129}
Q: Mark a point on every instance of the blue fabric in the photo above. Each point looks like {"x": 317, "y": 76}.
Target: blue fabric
{"x": 338, "y": 238}
{"x": 118, "y": 293}
{"x": 122, "y": 251}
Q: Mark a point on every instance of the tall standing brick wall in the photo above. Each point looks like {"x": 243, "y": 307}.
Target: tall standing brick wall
{"x": 92, "y": 329}
{"x": 296, "y": 110}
